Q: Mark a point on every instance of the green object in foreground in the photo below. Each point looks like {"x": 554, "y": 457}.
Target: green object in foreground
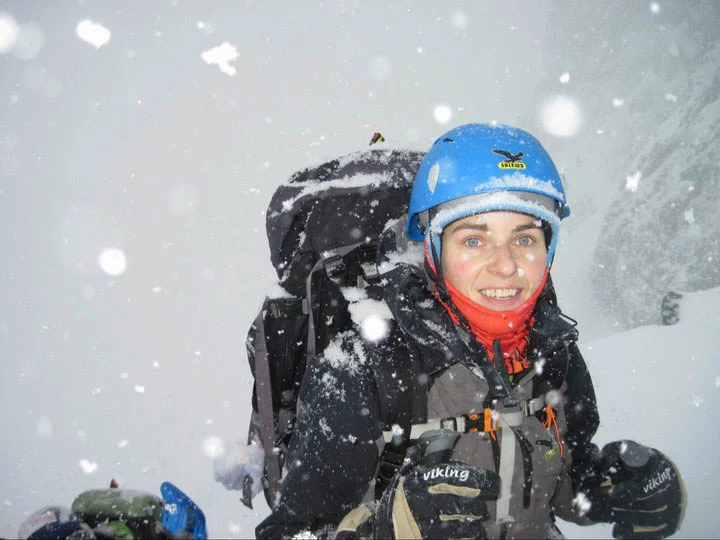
{"x": 117, "y": 530}
{"x": 98, "y": 505}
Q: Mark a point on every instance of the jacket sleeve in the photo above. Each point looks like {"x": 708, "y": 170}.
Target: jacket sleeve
{"x": 333, "y": 453}
{"x": 582, "y": 418}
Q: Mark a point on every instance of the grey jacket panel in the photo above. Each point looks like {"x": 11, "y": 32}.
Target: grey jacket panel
{"x": 461, "y": 391}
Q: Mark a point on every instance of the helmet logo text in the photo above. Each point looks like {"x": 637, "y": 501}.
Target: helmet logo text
{"x": 513, "y": 161}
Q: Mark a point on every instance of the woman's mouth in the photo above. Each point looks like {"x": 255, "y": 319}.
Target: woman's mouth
{"x": 500, "y": 294}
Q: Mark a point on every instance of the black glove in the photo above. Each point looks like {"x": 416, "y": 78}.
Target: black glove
{"x": 638, "y": 489}
{"x": 445, "y": 500}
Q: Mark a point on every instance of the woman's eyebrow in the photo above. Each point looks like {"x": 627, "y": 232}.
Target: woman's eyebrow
{"x": 526, "y": 227}
{"x": 472, "y": 226}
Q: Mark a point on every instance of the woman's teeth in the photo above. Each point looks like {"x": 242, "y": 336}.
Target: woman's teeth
{"x": 499, "y": 293}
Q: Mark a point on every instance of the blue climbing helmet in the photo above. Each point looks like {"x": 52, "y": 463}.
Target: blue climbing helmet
{"x": 478, "y": 168}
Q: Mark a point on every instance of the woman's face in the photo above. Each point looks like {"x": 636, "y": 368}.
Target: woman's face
{"x": 497, "y": 259}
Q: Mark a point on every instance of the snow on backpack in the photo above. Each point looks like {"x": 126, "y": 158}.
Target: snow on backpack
{"x": 322, "y": 227}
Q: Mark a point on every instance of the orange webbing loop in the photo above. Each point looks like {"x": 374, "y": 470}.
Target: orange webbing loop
{"x": 550, "y": 420}
{"x": 489, "y": 423}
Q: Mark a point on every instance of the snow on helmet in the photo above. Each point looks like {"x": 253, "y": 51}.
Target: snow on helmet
{"x": 478, "y": 168}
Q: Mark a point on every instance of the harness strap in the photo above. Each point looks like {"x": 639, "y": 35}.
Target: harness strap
{"x": 506, "y": 472}
{"x": 263, "y": 385}
{"x": 310, "y": 344}
{"x": 488, "y": 421}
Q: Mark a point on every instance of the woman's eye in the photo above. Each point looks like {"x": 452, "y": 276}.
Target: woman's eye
{"x": 525, "y": 241}
{"x": 472, "y": 242}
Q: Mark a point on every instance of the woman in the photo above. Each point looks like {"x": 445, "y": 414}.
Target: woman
{"x": 501, "y": 403}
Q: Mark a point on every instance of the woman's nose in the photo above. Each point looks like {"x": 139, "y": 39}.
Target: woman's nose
{"x": 502, "y": 262}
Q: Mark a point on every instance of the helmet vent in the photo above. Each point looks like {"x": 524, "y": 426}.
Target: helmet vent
{"x": 448, "y": 139}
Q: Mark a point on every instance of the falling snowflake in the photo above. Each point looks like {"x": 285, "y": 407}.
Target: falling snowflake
{"x": 689, "y": 216}
{"x": 112, "y": 261}
{"x": 93, "y": 33}
{"x": 222, "y": 55}
{"x": 214, "y": 447}
{"x": 87, "y": 466}
{"x": 633, "y": 181}
{"x": 9, "y": 32}
{"x": 553, "y": 398}
{"x": 374, "y": 328}
{"x": 442, "y": 114}
{"x": 582, "y": 503}
{"x": 561, "y": 116}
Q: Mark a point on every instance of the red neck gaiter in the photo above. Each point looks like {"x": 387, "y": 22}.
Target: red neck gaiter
{"x": 487, "y": 325}
{"x": 510, "y": 327}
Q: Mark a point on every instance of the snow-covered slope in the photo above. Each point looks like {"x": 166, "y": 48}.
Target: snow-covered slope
{"x": 660, "y": 385}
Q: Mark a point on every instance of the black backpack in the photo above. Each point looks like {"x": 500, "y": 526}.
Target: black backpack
{"x": 322, "y": 227}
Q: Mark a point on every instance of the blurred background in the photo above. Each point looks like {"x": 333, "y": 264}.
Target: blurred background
{"x": 140, "y": 143}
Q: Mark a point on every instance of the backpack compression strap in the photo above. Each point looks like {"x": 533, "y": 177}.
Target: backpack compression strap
{"x": 263, "y": 384}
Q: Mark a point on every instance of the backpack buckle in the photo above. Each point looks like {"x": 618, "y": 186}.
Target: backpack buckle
{"x": 370, "y": 272}
{"x": 283, "y": 308}
{"x": 284, "y": 437}
{"x": 335, "y": 268}
{"x": 486, "y": 421}
{"x": 474, "y": 423}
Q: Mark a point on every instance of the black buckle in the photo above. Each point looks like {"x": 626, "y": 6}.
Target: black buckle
{"x": 335, "y": 267}
{"x": 283, "y": 308}
{"x": 391, "y": 460}
{"x": 474, "y": 422}
{"x": 370, "y": 273}
{"x": 284, "y": 437}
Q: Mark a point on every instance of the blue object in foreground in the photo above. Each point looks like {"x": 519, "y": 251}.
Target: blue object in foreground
{"x": 180, "y": 513}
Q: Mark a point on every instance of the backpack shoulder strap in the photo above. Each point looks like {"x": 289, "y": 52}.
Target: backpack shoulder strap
{"x": 403, "y": 403}
{"x": 332, "y": 262}
{"x": 263, "y": 385}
